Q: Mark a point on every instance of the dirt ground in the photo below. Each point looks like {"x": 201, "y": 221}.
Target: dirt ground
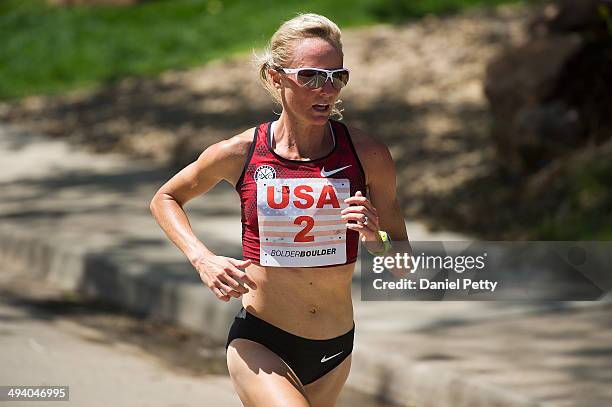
{"x": 418, "y": 87}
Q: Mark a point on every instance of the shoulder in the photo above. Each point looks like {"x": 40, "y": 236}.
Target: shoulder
{"x": 236, "y": 147}
{"x": 373, "y": 154}
{"x": 232, "y": 148}
{"x": 366, "y": 143}
{"x": 227, "y": 157}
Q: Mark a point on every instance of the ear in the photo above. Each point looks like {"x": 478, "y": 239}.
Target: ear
{"x": 276, "y": 78}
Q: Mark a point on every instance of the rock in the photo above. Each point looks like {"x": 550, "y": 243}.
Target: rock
{"x": 551, "y": 94}
{"x": 543, "y": 133}
{"x": 586, "y": 86}
{"x": 528, "y": 73}
{"x": 576, "y": 15}
{"x": 518, "y": 81}
{"x": 566, "y": 16}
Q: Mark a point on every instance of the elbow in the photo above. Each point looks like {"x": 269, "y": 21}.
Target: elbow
{"x": 153, "y": 205}
{"x": 157, "y": 200}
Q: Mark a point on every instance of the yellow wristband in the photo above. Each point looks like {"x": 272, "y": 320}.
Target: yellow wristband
{"x": 384, "y": 236}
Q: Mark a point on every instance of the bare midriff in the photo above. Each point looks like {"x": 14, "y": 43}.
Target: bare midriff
{"x": 311, "y": 302}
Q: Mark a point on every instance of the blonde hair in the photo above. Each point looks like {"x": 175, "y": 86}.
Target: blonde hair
{"x": 279, "y": 50}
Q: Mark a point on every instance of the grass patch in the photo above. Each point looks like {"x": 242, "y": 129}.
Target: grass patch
{"x": 48, "y": 49}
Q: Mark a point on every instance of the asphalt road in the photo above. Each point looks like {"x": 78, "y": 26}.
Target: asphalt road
{"x": 38, "y": 347}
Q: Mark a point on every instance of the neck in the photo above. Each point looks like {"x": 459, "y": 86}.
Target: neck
{"x": 297, "y": 141}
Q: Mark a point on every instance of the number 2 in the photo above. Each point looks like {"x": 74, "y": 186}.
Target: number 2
{"x": 302, "y": 236}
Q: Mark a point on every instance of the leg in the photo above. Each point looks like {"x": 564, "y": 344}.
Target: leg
{"x": 324, "y": 391}
{"x": 261, "y": 378}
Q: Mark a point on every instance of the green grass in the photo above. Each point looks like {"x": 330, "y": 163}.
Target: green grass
{"x": 46, "y": 49}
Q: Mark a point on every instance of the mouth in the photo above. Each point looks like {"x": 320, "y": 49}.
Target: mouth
{"x": 321, "y": 107}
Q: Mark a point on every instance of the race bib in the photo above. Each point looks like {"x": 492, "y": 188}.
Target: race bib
{"x": 300, "y": 223}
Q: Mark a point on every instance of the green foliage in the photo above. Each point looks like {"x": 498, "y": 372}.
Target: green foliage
{"x": 49, "y": 49}
{"x": 585, "y": 212}
{"x": 605, "y": 12}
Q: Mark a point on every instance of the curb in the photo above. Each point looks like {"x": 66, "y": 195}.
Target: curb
{"x": 96, "y": 275}
{"x": 419, "y": 385}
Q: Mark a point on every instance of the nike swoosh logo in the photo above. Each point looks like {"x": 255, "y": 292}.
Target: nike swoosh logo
{"x": 325, "y": 358}
{"x": 332, "y": 172}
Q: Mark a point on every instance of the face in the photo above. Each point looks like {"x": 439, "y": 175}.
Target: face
{"x": 300, "y": 102}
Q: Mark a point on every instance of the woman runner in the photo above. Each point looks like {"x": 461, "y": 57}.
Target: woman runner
{"x": 310, "y": 189}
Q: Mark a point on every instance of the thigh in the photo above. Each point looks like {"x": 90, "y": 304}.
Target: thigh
{"x": 324, "y": 391}
{"x": 261, "y": 378}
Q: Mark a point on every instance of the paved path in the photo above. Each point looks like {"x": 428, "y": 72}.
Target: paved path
{"x": 41, "y": 326}
{"x": 82, "y": 222}
{"x": 37, "y": 348}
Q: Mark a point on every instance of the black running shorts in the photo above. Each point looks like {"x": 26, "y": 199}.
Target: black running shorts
{"x": 309, "y": 359}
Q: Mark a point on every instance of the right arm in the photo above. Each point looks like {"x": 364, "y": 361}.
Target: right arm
{"x": 220, "y": 161}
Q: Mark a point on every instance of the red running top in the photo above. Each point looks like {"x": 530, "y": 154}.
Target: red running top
{"x": 291, "y": 209}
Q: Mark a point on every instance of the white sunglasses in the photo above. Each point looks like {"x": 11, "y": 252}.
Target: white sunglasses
{"x": 314, "y": 78}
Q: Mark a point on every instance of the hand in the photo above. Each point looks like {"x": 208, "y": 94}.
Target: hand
{"x": 361, "y": 210}
{"x": 223, "y": 275}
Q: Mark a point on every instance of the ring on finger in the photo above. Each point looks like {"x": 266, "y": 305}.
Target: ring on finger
{"x": 365, "y": 220}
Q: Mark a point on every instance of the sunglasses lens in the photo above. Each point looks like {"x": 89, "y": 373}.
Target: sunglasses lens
{"x": 311, "y": 78}
{"x": 340, "y": 79}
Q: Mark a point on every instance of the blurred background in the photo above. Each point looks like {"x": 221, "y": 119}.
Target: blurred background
{"x": 483, "y": 106}
{"x": 498, "y": 114}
